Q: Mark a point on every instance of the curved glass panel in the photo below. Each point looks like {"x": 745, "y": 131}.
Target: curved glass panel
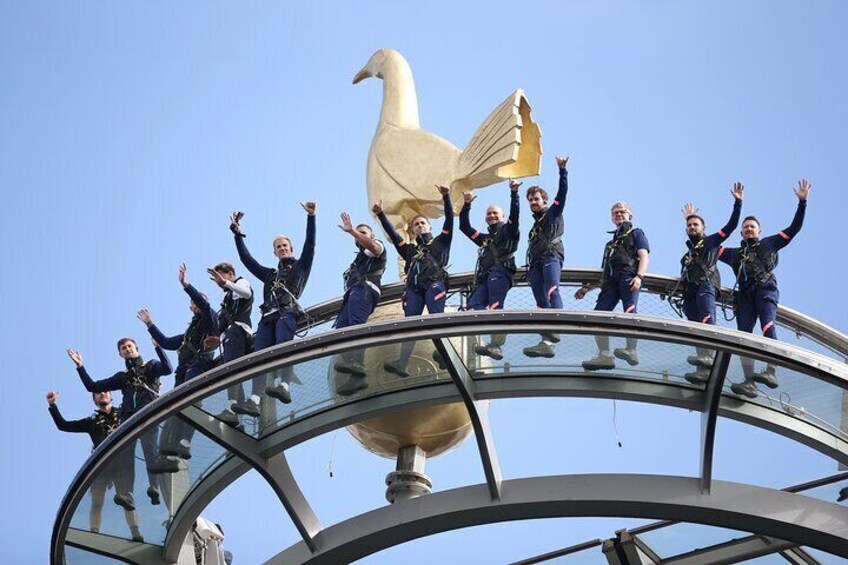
{"x": 817, "y": 402}
{"x": 327, "y": 381}
{"x": 142, "y": 488}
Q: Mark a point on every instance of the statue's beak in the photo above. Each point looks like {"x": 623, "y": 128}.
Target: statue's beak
{"x": 363, "y": 74}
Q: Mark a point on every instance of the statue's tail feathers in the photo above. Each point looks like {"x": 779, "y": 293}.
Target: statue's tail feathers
{"x": 507, "y": 145}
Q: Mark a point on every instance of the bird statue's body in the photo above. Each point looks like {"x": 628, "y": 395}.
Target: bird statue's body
{"x": 405, "y": 162}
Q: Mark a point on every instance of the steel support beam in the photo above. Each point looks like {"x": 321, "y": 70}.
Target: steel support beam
{"x": 768, "y": 512}
{"x": 275, "y": 470}
{"x": 735, "y": 551}
{"x": 798, "y": 556}
{"x": 709, "y": 416}
{"x": 478, "y": 412}
{"x": 117, "y": 548}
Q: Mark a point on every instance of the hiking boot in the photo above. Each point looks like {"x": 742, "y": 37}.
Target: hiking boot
{"x": 599, "y": 363}
{"x": 153, "y": 493}
{"x": 228, "y": 417}
{"x": 490, "y": 350}
{"x": 745, "y": 388}
{"x": 766, "y": 377}
{"x": 164, "y": 465}
{"x": 698, "y": 377}
{"x": 843, "y": 495}
{"x": 550, "y": 336}
{"x": 350, "y": 368}
{"x": 176, "y": 450}
{"x": 627, "y": 354}
{"x": 125, "y": 500}
{"x": 280, "y": 392}
{"x": 700, "y": 361}
{"x": 541, "y": 349}
{"x": 246, "y": 408}
{"x": 351, "y": 386}
{"x": 396, "y": 368}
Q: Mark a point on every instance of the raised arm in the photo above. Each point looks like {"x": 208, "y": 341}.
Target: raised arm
{"x": 197, "y": 298}
{"x": 465, "y": 220}
{"x": 258, "y": 271}
{"x": 514, "y": 203}
{"x": 74, "y": 426}
{"x": 304, "y": 262}
{"x": 737, "y": 191}
{"x": 801, "y": 192}
{"x": 394, "y": 236}
{"x": 115, "y": 382}
{"x": 556, "y": 207}
{"x": 447, "y": 226}
{"x": 164, "y": 366}
{"x": 171, "y": 343}
{"x": 369, "y": 243}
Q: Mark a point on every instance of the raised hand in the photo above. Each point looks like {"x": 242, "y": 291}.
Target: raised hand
{"x": 738, "y": 190}
{"x": 688, "y": 210}
{"x": 183, "y": 280}
{"x": 514, "y": 184}
{"x": 235, "y": 219}
{"x": 803, "y": 189}
{"x": 347, "y": 224}
{"x": 144, "y": 316}
{"x": 561, "y": 162}
{"x": 75, "y": 357}
{"x": 217, "y": 277}
{"x": 468, "y": 197}
{"x": 52, "y": 397}
{"x": 377, "y": 208}
{"x": 310, "y": 207}
{"x": 443, "y": 189}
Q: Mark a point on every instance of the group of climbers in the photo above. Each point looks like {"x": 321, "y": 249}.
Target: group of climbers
{"x": 229, "y": 328}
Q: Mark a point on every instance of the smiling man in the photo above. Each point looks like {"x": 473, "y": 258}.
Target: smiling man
{"x": 756, "y": 294}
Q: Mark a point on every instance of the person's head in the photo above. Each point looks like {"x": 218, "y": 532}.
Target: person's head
{"x": 365, "y": 230}
{"x": 494, "y": 215}
{"x": 750, "y": 228}
{"x": 194, "y": 308}
{"x": 226, "y": 270}
{"x": 621, "y": 212}
{"x": 127, "y": 348}
{"x": 538, "y": 198}
{"x": 695, "y": 225}
{"x": 283, "y": 247}
{"x": 102, "y": 399}
{"x": 420, "y": 225}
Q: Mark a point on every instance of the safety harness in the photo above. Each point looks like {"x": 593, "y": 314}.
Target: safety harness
{"x": 545, "y": 237}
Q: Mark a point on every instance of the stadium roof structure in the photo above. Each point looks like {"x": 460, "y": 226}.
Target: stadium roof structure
{"x": 743, "y": 521}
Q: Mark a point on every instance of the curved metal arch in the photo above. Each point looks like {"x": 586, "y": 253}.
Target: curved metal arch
{"x": 430, "y": 327}
{"x": 763, "y": 511}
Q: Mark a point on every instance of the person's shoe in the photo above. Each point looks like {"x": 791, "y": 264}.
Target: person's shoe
{"x": 745, "y": 388}
{"x": 766, "y": 377}
{"x": 125, "y": 500}
{"x": 246, "y": 408}
{"x": 700, "y": 361}
{"x": 698, "y": 376}
{"x": 228, "y": 417}
{"x": 599, "y": 363}
{"x": 350, "y": 368}
{"x": 437, "y": 357}
{"x": 843, "y": 495}
{"x": 396, "y": 368}
{"x": 164, "y": 465}
{"x": 153, "y": 493}
{"x": 136, "y": 534}
{"x": 541, "y": 349}
{"x": 176, "y": 450}
{"x": 550, "y": 336}
{"x": 490, "y": 350}
{"x": 280, "y": 392}
{"x": 351, "y": 386}
{"x": 627, "y": 354}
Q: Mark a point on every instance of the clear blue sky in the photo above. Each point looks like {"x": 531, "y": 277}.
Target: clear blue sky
{"x": 130, "y": 130}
